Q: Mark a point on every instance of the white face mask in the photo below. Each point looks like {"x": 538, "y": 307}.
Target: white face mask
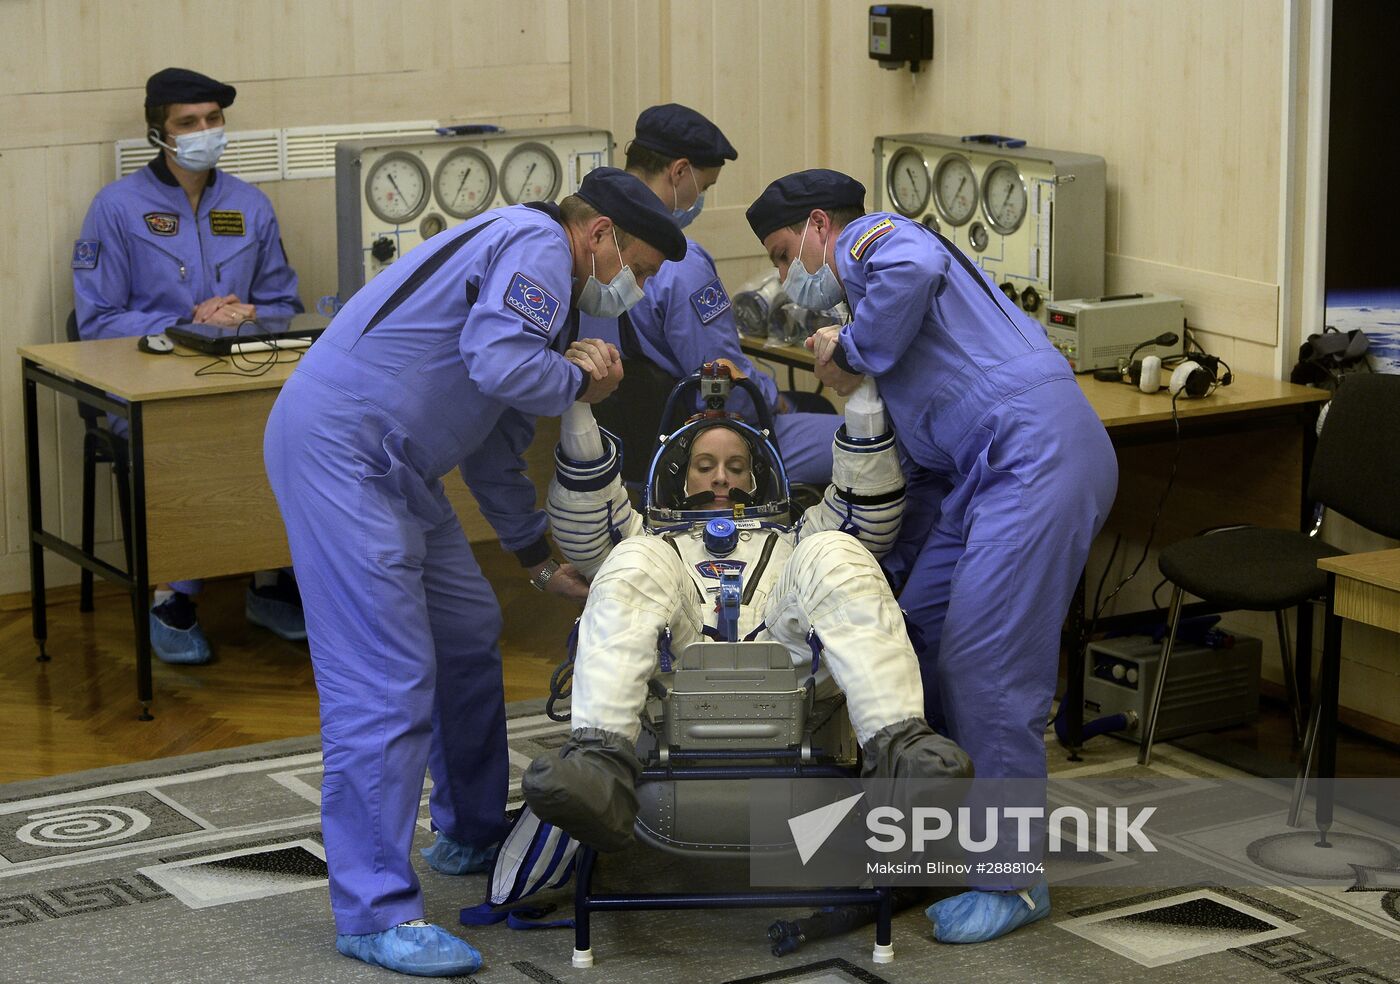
{"x": 685, "y": 216}
{"x": 610, "y": 300}
{"x": 818, "y": 291}
{"x": 200, "y": 150}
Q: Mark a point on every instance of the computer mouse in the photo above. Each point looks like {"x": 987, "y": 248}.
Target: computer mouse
{"x": 156, "y": 344}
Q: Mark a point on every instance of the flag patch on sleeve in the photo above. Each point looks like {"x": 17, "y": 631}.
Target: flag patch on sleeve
{"x": 536, "y": 305}
{"x": 85, "y": 253}
{"x": 862, "y": 244}
{"x": 710, "y": 301}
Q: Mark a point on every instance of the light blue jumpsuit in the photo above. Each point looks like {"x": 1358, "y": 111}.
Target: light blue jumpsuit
{"x": 684, "y": 320}
{"x": 1012, "y": 475}
{"x": 441, "y": 361}
{"x": 144, "y": 260}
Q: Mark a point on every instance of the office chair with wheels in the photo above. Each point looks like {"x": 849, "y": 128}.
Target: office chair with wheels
{"x": 1356, "y": 473}
{"x": 100, "y": 446}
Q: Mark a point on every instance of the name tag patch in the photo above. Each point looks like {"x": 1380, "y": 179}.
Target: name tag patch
{"x": 85, "y": 253}
{"x": 162, "y": 223}
{"x": 536, "y": 305}
{"x": 226, "y": 222}
{"x": 881, "y": 228}
{"x": 714, "y": 569}
{"x": 710, "y": 301}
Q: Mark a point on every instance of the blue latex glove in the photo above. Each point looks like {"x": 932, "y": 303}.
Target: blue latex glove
{"x": 416, "y": 948}
{"x": 975, "y": 917}
{"x": 455, "y": 858}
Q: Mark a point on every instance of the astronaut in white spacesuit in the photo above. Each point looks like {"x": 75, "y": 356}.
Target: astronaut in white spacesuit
{"x": 717, "y": 501}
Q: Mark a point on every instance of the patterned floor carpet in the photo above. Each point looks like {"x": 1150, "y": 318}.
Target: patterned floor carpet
{"x": 210, "y": 868}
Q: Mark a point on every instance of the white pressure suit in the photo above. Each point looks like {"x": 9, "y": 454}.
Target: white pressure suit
{"x": 819, "y": 575}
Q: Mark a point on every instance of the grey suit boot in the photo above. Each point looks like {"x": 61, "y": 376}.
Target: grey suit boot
{"x": 587, "y": 788}
{"x": 912, "y": 750}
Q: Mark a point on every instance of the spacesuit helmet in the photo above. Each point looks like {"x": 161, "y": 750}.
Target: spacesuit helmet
{"x": 668, "y": 501}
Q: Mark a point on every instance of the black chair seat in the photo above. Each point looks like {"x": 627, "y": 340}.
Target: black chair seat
{"x": 1251, "y": 568}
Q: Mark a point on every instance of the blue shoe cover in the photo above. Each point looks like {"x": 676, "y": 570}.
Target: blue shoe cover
{"x": 416, "y": 948}
{"x": 975, "y": 917}
{"x": 455, "y": 858}
{"x": 282, "y": 618}
{"x": 184, "y": 646}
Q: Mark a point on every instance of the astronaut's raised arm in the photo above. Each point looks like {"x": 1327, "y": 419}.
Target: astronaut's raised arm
{"x": 866, "y": 494}
{"x": 588, "y": 508}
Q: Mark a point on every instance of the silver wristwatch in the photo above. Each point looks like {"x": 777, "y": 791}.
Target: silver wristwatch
{"x": 542, "y": 576}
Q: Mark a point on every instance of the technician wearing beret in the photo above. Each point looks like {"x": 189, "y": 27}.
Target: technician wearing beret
{"x": 686, "y": 319}
{"x": 1012, "y": 475}
{"x": 442, "y": 361}
{"x": 179, "y": 241}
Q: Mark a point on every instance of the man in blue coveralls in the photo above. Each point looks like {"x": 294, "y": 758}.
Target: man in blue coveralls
{"x": 180, "y": 241}
{"x": 685, "y": 318}
{"x": 1011, "y": 476}
{"x": 442, "y": 361}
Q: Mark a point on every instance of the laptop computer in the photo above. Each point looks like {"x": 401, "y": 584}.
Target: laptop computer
{"x": 261, "y": 335}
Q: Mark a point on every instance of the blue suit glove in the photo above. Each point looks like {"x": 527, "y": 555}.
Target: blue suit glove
{"x": 975, "y": 917}
{"x": 416, "y": 948}
{"x": 455, "y": 858}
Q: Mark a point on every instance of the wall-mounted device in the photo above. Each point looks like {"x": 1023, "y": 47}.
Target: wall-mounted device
{"x": 1032, "y": 218}
{"x": 899, "y": 33}
{"x": 393, "y": 193}
{"x": 1095, "y": 332}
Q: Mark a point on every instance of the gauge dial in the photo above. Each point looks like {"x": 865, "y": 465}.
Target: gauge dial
{"x": 396, "y": 189}
{"x": 930, "y": 222}
{"x": 1004, "y": 197}
{"x": 465, "y": 183}
{"x": 431, "y": 225}
{"x": 977, "y": 236}
{"x": 531, "y": 173}
{"x": 908, "y": 182}
{"x": 955, "y": 189}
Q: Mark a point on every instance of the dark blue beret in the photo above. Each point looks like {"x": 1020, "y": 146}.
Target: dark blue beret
{"x": 792, "y": 197}
{"x": 180, "y": 85}
{"x": 677, "y": 131}
{"x": 634, "y": 207}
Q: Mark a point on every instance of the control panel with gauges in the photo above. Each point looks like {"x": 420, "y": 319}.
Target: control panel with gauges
{"x": 392, "y": 194}
{"x": 1033, "y": 219}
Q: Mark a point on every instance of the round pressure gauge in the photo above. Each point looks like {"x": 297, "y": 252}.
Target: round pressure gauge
{"x": 465, "y": 182}
{"x": 955, "y": 189}
{"x": 908, "y": 182}
{"x": 396, "y": 188}
{"x": 977, "y": 236}
{"x": 1004, "y": 197}
{"x": 530, "y": 173}
{"x": 431, "y": 225}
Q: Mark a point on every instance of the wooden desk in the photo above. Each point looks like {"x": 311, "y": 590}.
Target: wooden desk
{"x": 1244, "y": 458}
{"x": 197, "y": 477}
{"x": 1368, "y": 587}
{"x": 1364, "y": 588}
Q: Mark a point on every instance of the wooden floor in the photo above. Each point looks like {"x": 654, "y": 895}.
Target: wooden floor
{"x": 79, "y": 710}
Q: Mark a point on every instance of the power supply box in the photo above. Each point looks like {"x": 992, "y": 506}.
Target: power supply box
{"x": 1206, "y": 688}
{"x": 1095, "y": 332}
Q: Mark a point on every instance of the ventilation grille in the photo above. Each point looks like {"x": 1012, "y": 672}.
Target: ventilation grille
{"x": 309, "y": 151}
{"x": 276, "y": 155}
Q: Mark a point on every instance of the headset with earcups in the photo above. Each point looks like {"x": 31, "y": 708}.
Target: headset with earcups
{"x": 1130, "y": 370}
{"x": 1150, "y": 376}
{"x": 1191, "y": 379}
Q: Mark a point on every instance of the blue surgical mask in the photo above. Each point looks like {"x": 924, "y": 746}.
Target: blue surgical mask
{"x": 200, "y": 150}
{"x": 609, "y": 300}
{"x": 818, "y": 291}
{"x": 685, "y": 216}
